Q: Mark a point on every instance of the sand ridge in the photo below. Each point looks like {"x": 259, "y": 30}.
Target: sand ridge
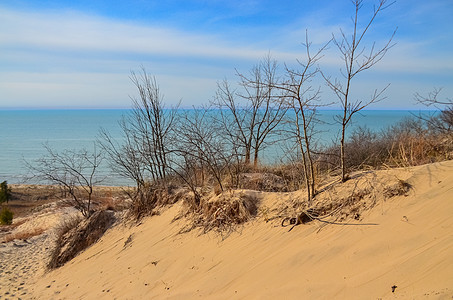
{"x": 406, "y": 256}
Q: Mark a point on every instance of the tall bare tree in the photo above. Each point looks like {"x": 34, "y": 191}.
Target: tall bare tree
{"x": 148, "y": 135}
{"x": 251, "y": 115}
{"x": 151, "y": 125}
{"x": 148, "y": 139}
{"x": 302, "y": 99}
{"x": 356, "y": 58}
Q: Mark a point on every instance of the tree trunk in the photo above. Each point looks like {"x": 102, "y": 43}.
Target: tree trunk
{"x": 344, "y": 176}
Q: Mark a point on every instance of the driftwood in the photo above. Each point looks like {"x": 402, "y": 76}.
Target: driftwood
{"x": 313, "y": 214}
{"x": 305, "y": 217}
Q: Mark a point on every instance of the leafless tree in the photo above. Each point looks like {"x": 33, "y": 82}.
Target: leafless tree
{"x": 74, "y": 171}
{"x": 202, "y": 152}
{"x": 148, "y": 139}
{"x": 125, "y": 157}
{"x": 442, "y": 122}
{"x": 151, "y": 125}
{"x": 251, "y": 115}
{"x": 302, "y": 99}
{"x": 432, "y": 99}
{"x": 356, "y": 59}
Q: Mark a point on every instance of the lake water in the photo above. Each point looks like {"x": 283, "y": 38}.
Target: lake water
{"x": 23, "y": 133}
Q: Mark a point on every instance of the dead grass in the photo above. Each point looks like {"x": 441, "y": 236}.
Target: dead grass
{"x": 263, "y": 181}
{"x": 147, "y": 200}
{"x": 76, "y": 234}
{"x": 342, "y": 202}
{"x": 349, "y": 200}
{"x": 401, "y": 187}
{"x": 6, "y": 228}
{"x": 223, "y": 213}
{"x": 24, "y": 235}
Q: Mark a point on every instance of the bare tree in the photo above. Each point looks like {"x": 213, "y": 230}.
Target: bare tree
{"x": 202, "y": 152}
{"x": 125, "y": 157}
{"x": 151, "y": 125}
{"x": 432, "y": 99}
{"x": 442, "y": 122}
{"x": 148, "y": 135}
{"x": 252, "y": 123}
{"x": 302, "y": 99}
{"x": 143, "y": 154}
{"x": 74, "y": 171}
{"x": 356, "y": 59}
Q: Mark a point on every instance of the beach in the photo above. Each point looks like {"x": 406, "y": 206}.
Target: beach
{"x": 25, "y": 249}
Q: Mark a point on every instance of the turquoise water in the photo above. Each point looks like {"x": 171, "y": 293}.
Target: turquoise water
{"x": 23, "y": 133}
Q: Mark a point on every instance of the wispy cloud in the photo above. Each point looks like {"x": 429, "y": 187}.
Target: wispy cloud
{"x": 66, "y": 56}
{"x": 74, "y": 58}
{"x": 76, "y": 32}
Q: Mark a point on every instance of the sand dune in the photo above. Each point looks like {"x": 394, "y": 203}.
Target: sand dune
{"x": 411, "y": 248}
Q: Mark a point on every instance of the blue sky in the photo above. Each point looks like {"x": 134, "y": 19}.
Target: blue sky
{"x": 79, "y": 54}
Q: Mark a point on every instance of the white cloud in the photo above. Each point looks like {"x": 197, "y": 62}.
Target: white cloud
{"x": 91, "y": 90}
{"x": 66, "y": 58}
{"x": 76, "y": 32}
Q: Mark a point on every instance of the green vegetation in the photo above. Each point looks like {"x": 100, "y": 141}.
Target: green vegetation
{"x": 5, "y": 192}
{"x": 6, "y": 216}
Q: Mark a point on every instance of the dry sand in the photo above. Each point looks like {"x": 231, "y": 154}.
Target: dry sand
{"x": 22, "y": 261}
{"x": 411, "y": 249}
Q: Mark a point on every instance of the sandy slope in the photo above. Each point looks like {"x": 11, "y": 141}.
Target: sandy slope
{"x": 23, "y": 260}
{"x": 412, "y": 248}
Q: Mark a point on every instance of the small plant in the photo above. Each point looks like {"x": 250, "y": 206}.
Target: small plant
{"x": 5, "y": 192}
{"x": 6, "y": 216}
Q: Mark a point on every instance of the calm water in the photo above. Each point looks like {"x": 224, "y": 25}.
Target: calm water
{"x": 23, "y": 133}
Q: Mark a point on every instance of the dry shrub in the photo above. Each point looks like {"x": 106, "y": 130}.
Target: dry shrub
{"x": 116, "y": 200}
{"x": 145, "y": 200}
{"x": 365, "y": 148}
{"x": 75, "y": 236}
{"x": 416, "y": 150}
{"x": 225, "y": 211}
{"x": 148, "y": 198}
{"x": 346, "y": 206}
{"x": 8, "y": 228}
{"x": 68, "y": 224}
{"x": 398, "y": 189}
{"x": 278, "y": 178}
{"x": 413, "y": 142}
{"x": 37, "y": 193}
{"x": 408, "y": 143}
{"x": 266, "y": 182}
{"x": 24, "y": 235}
